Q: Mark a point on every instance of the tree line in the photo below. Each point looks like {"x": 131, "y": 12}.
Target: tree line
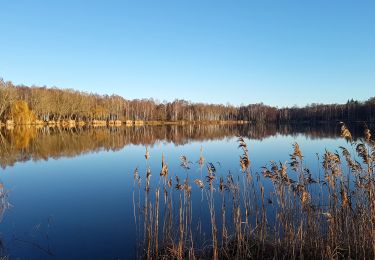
{"x": 23, "y": 103}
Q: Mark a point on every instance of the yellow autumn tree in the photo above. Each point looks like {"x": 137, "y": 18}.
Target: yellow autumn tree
{"x": 21, "y": 114}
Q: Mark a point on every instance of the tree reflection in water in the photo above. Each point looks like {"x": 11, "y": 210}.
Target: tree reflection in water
{"x": 25, "y": 143}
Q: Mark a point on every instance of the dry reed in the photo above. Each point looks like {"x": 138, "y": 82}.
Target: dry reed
{"x": 300, "y": 217}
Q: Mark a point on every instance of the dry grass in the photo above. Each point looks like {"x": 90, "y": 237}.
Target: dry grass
{"x": 299, "y": 217}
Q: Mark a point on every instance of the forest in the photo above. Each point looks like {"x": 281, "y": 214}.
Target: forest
{"x": 26, "y": 105}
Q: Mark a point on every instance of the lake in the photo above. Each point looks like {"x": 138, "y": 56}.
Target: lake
{"x": 73, "y": 193}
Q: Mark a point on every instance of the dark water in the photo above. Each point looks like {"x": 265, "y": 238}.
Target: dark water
{"x": 70, "y": 191}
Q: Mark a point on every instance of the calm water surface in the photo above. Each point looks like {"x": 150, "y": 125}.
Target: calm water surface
{"x": 70, "y": 191}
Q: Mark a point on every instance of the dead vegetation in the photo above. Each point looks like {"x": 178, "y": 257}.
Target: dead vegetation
{"x": 286, "y": 212}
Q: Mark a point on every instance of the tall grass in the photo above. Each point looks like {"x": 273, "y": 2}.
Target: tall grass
{"x": 303, "y": 215}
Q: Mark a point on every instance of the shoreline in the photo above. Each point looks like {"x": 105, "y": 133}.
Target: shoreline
{"x": 76, "y": 123}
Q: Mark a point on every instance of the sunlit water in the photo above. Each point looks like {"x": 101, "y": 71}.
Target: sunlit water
{"x": 80, "y": 205}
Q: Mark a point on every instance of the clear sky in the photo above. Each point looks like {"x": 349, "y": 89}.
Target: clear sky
{"x": 275, "y": 52}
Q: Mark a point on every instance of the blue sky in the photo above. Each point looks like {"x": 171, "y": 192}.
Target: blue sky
{"x": 276, "y": 52}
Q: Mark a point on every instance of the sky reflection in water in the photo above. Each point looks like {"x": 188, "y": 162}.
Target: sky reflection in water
{"x": 81, "y": 206}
